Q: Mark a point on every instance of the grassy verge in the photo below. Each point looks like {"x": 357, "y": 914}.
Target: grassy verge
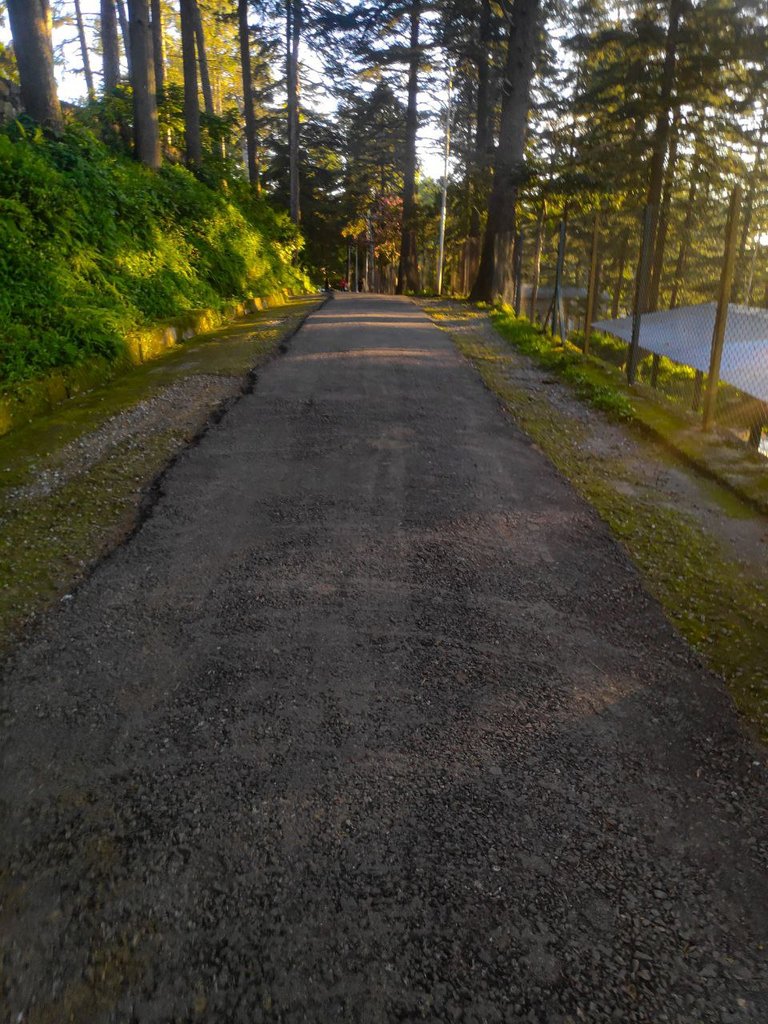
{"x": 565, "y": 360}
{"x": 605, "y": 387}
{"x": 706, "y": 595}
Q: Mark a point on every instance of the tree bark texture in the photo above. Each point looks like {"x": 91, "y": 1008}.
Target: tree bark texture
{"x": 371, "y": 240}
{"x": 192, "y": 142}
{"x": 84, "y": 51}
{"x": 537, "y": 260}
{"x": 742, "y": 273}
{"x": 250, "y": 116}
{"x": 620, "y": 274}
{"x": 110, "y": 45}
{"x": 202, "y": 61}
{"x": 145, "y": 131}
{"x": 483, "y": 116}
{"x": 663, "y": 225}
{"x": 685, "y": 234}
{"x": 408, "y": 269}
{"x": 660, "y": 142}
{"x": 125, "y": 32}
{"x": 293, "y": 39}
{"x": 31, "y": 30}
{"x": 158, "y": 47}
{"x": 494, "y": 276}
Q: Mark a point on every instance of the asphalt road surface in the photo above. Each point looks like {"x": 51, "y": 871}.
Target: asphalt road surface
{"x": 372, "y": 721}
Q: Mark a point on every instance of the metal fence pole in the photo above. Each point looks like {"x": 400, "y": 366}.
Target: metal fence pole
{"x": 756, "y": 430}
{"x": 723, "y": 301}
{"x": 655, "y": 366}
{"x": 698, "y": 384}
{"x": 641, "y": 292}
{"x": 592, "y": 283}
{"x": 557, "y": 298}
{"x": 518, "y": 263}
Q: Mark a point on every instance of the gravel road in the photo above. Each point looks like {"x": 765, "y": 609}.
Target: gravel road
{"x": 372, "y": 721}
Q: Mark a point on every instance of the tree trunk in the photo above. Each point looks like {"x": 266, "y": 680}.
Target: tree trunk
{"x": 293, "y": 38}
{"x": 31, "y": 30}
{"x": 620, "y": 274}
{"x": 749, "y": 206}
{"x": 84, "y": 51}
{"x": 250, "y": 117}
{"x": 494, "y": 276}
{"x": 158, "y": 48}
{"x": 192, "y": 143}
{"x": 110, "y": 45}
{"x": 483, "y": 125}
{"x": 537, "y": 260}
{"x": 661, "y": 131}
{"x": 685, "y": 234}
{"x": 408, "y": 270}
{"x": 371, "y": 253}
{"x": 125, "y": 31}
{"x": 145, "y": 130}
{"x": 202, "y": 60}
{"x": 663, "y": 226}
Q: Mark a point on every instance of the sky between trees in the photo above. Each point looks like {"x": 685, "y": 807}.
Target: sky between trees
{"x": 559, "y": 108}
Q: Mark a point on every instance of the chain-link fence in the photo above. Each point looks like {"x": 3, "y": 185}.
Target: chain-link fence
{"x": 676, "y": 297}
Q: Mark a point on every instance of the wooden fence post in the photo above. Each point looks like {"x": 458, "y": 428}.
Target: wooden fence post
{"x": 723, "y": 301}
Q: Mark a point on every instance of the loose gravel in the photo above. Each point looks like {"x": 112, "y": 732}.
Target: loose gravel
{"x": 373, "y": 721}
{"x": 185, "y": 403}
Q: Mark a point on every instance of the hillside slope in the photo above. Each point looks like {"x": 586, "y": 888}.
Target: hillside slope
{"x": 92, "y": 246}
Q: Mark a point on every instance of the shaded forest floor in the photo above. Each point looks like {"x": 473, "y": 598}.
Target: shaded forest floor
{"x": 74, "y": 483}
{"x": 702, "y": 551}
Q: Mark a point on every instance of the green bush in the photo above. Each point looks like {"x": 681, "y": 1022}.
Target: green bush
{"x": 92, "y": 245}
{"x": 563, "y": 359}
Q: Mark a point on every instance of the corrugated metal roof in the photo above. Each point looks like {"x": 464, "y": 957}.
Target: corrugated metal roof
{"x": 684, "y": 335}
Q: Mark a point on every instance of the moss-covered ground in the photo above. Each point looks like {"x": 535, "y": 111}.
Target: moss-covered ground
{"x": 721, "y": 609}
{"x": 49, "y": 541}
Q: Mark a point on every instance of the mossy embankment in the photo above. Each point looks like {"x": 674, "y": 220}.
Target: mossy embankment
{"x": 717, "y": 601}
{"x": 95, "y": 248}
{"x": 605, "y": 387}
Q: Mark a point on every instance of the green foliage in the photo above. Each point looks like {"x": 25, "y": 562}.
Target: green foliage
{"x": 93, "y": 245}
{"x": 563, "y": 360}
{"x": 8, "y": 67}
{"x": 604, "y": 346}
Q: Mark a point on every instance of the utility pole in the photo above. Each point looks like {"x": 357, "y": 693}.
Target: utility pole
{"x": 444, "y": 203}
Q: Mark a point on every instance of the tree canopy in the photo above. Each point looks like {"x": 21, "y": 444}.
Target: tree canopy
{"x": 332, "y": 111}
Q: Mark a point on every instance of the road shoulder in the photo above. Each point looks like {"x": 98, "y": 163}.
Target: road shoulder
{"x": 78, "y": 481}
{"x": 702, "y": 552}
